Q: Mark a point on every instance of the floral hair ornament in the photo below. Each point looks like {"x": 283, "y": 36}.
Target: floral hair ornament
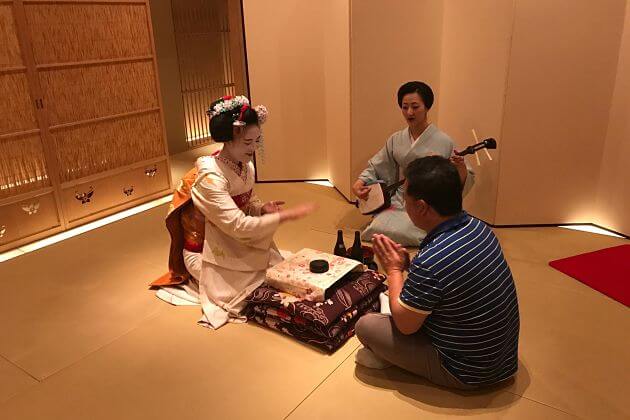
{"x": 233, "y": 103}
{"x": 262, "y": 113}
{"x": 237, "y": 105}
{"x": 239, "y": 121}
{"x": 228, "y": 103}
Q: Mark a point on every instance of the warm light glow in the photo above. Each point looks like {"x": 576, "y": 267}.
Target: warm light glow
{"x": 201, "y": 137}
{"x": 322, "y": 183}
{"x": 84, "y": 228}
{"x": 592, "y": 229}
{"x": 10, "y": 254}
{"x": 19, "y": 182}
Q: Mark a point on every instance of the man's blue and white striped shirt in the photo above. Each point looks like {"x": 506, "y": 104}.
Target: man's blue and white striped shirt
{"x": 460, "y": 277}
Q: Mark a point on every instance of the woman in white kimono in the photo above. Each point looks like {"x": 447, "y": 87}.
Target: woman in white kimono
{"x": 238, "y": 246}
{"x": 419, "y": 139}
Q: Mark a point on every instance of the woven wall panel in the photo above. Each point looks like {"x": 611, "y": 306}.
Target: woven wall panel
{"x": 10, "y": 55}
{"x": 22, "y": 165}
{"x": 81, "y": 32}
{"x": 94, "y": 148}
{"x": 17, "y": 113}
{"x": 88, "y": 92}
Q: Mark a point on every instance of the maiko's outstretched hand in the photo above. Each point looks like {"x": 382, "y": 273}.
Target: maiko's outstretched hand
{"x": 298, "y": 212}
{"x": 272, "y": 207}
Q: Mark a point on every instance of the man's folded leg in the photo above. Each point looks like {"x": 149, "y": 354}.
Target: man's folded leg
{"x": 413, "y": 353}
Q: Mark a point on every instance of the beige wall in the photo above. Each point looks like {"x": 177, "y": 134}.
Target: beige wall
{"x": 168, "y": 68}
{"x": 237, "y": 46}
{"x": 285, "y": 54}
{"x": 391, "y": 43}
{"x": 326, "y": 56}
{"x": 613, "y": 210}
{"x": 531, "y": 74}
{"x": 561, "y": 76}
{"x": 337, "y": 92}
{"x": 475, "y": 57}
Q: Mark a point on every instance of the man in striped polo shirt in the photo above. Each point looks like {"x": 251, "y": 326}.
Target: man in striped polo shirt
{"x": 454, "y": 319}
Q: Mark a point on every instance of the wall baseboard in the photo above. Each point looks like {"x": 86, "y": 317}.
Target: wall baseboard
{"x": 304, "y": 180}
{"x": 500, "y": 226}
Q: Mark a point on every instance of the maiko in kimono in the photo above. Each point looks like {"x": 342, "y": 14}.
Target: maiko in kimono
{"x": 221, "y": 233}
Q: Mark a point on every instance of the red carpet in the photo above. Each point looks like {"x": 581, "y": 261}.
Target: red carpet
{"x": 606, "y": 270}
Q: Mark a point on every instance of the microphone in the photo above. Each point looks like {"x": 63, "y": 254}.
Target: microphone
{"x": 489, "y": 143}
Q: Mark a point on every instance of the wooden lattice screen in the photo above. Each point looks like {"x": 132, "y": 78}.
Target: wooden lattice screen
{"x": 210, "y": 52}
{"x": 81, "y": 132}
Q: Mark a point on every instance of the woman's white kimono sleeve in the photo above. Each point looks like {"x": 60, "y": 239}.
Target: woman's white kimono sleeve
{"x": 210, "y": 195}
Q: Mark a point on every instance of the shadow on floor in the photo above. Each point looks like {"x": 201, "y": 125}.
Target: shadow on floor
{"x": 420, "y": 392}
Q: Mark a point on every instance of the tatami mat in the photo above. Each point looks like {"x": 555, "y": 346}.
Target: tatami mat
{"x": 82, "y": 337}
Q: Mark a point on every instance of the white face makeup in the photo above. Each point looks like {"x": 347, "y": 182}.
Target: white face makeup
{"x": 246, "y": 139}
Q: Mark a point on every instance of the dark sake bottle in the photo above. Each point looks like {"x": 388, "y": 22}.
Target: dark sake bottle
{"x": 340, "y": 247}
{"x": 357, "y": 252}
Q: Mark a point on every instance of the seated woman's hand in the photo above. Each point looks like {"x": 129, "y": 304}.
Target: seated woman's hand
{"x": 392, "y": 255}
{"x": 271, "y": 207}
{"x": 460, "y": 164}
{"x": 298, "y": 212}
{"x": 360, "y": 190}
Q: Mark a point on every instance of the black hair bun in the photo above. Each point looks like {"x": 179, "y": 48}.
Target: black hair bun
{"x": 222, "y": 125}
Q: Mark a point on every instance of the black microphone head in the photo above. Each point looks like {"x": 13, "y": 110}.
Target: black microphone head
{"x": 490, "y": 143}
